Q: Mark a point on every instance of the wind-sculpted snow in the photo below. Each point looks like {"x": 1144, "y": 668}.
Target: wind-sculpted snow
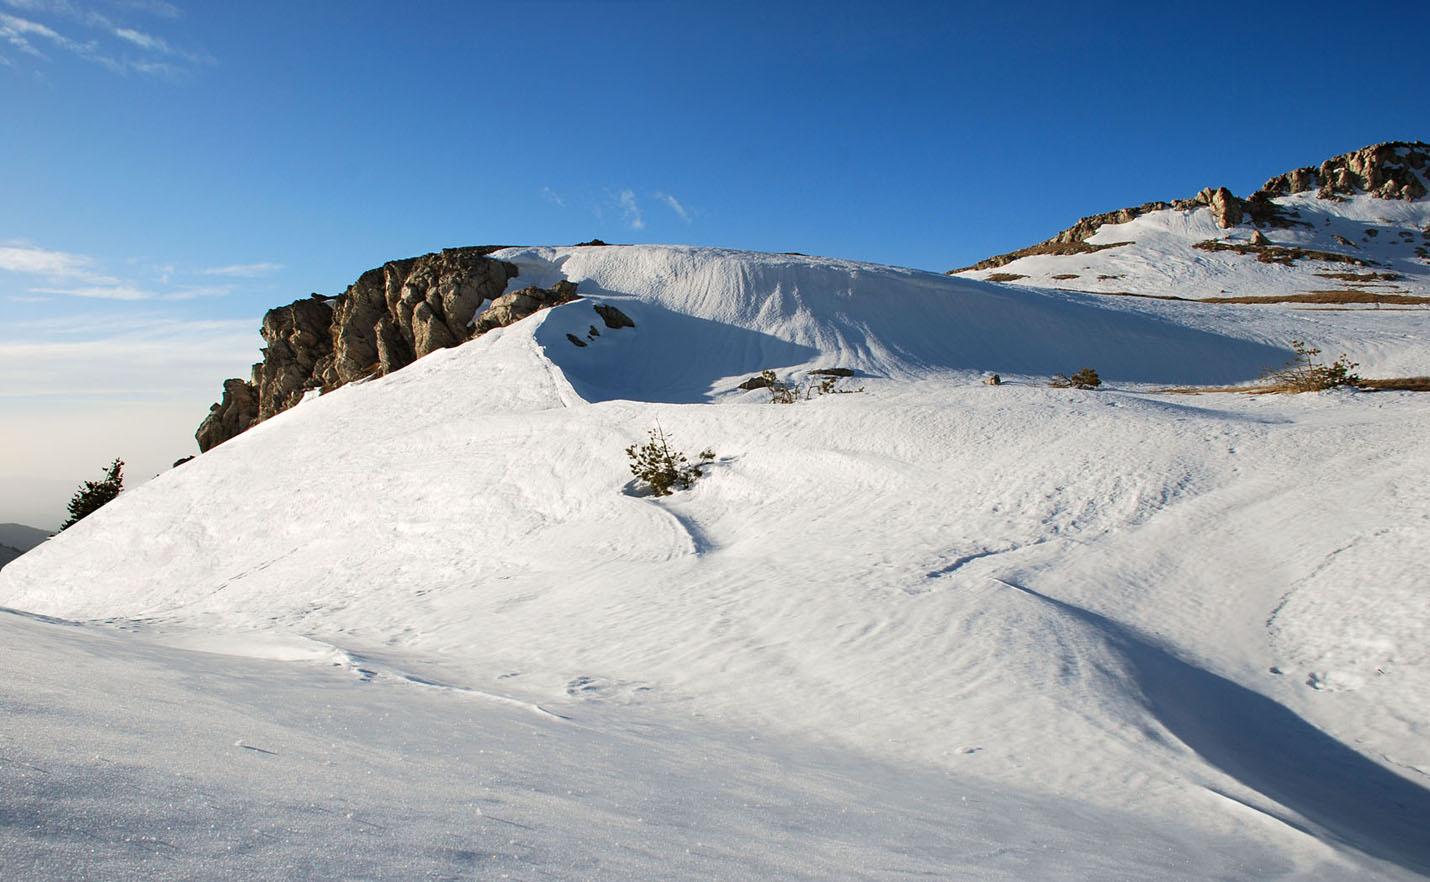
{"x": 707, "y": 319}
{"x": 1213, "y": 669}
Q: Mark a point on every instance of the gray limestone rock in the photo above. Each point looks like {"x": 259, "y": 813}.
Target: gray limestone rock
{"x": 299, "y": 338}
{"x": 517, "y": 305}
{"x": 236, "y": 413}
{"x": 390, "y": 317}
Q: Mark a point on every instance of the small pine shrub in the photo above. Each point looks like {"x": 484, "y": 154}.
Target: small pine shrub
{"x": 780, "y": 393}
{"x": 94, "y": 495}
{"x": 1086, "y": 378}
{"x": 789, "y": 393}
{"x": 662, "y": 469}
{"x": 1307, "y": 373}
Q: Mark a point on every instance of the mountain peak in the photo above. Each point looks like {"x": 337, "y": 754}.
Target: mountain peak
{"x": 1365, "y": 210}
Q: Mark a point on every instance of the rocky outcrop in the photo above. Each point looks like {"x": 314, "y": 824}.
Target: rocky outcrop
{"x": 390, "y": 317}
{"x": 1225, "y": 207}
{"x": 237, "y": 412}
{"x": 517, "y": 305}
{"x": 405, "y": 309}
{"x": 299, "y": 342}
{"x": 1393, "y": 170}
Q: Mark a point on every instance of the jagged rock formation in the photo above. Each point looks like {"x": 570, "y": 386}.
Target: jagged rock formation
{"x": 237, "y": 412}
{"x": 517, "y": 305}
{"x": 390, "y": 317}
{"x": 1391, "y": 170}
{"x": 1387, "y": 171}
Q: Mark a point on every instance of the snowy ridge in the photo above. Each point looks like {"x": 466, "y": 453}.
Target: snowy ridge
{"x": 1131, "y": 604}
{"x": 1155, "y": 254}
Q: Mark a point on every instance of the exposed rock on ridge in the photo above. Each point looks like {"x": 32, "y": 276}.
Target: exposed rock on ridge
{"x": 390, "y": 317}
{"x": 1392, "y": 170}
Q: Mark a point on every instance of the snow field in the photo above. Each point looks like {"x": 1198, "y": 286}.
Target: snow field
{"x": 1162, "y": 260}
{"x": 1068, "y": 603}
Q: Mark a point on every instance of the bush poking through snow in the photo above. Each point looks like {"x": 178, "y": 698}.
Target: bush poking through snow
{"x": 663, "y": 469}
{"x": 822, "y": 382}
{"x": 1306, "y": 372}
{"x": 1086, "y": 378}
{"x": 780, "y": 393}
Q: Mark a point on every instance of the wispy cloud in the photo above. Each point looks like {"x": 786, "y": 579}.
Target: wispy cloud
{"x": 21, "y": 258}
{"x": 18, "y": 31}
{"x": 158, "y": 57}
{"x": 102, "y": 292}
{"x": 630, "y": 209}
{"x": 66, "y": 274}
{"x": 244, "y": 270}
{"x": 675, "y": 205}
{"x": 131, "y": 292}
{"x": 99, "y": 355}
{"x": 85, "y": 15}
{"x": 157, "y": 8}
{"x": 143, "y": 40}
{"x": 553, "y": 197}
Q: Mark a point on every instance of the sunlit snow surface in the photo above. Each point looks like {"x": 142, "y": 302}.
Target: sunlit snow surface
{"x": 1154, "y": 255}
{"x": 421, "y": 628}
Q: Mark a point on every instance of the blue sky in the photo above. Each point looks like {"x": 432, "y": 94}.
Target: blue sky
{"x": 173, "y": 169}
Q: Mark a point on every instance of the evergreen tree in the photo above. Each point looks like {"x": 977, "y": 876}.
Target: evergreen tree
{"x": 92, "y": 495}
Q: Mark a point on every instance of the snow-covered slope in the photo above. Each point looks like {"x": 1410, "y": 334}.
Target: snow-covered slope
{"x": 1202, "y": 613}
{"x": 1342, "y": 242}
{"x": 1160, "y": 257}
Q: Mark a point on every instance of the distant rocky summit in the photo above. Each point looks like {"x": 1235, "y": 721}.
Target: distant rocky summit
{"x": 1360, "y": 220}
{"x": 1392, "y": 170}
{"x": 390, "y": 317}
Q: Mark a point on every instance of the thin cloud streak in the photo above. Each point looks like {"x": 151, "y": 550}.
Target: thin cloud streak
{"x": 19, "y": 258}
{"x": 21, "y": 33}
{"x": 675, "y": 205}
{"x": 129, "y": 292}
{"x": 244, "y": 270}
{"x": 83, "y": 357}
{"x": 76, "y": 275}
{"x": 143, "y": 40}
{"x": 626, "y": 199}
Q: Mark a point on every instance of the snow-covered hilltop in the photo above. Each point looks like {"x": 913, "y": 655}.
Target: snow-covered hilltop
{"x": 1356, "y": 229}
{"x": 930, "y": 627}
{"x": 709, "y": 317}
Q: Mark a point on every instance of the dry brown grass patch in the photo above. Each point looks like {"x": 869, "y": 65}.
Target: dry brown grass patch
{"x": 1329, "y": 296}
{"x": 1362, "y": 277}
{"x": 1397, "y": 384}
{"x": 1281, "y": 254}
